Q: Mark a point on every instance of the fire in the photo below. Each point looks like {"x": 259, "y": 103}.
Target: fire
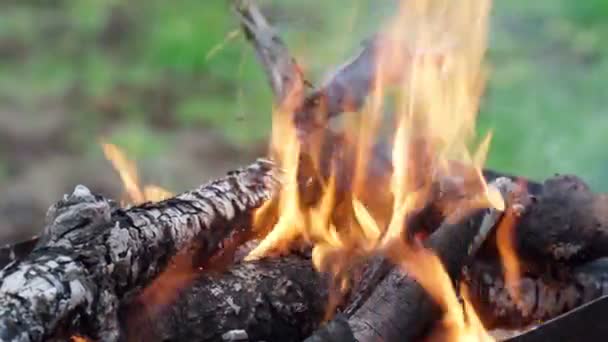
{"x": 431, "y": 59}
{"x": 505, "y": 241}
{"x": 130, "y": 179}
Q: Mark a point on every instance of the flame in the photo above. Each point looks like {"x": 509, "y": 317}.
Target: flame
{"x": 431, "y": 57}
{"x": 505, "y": 241}
{"x": 130, "y": 179}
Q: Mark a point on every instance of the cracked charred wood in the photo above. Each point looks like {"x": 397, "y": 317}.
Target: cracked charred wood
{"x": 566, "y": 222}
{"x": 93, "y": 255}
{"x": 376, "y": 269}
{"x": 399, "y": 309}
{"x": 345, "y": 91}
{"x": 266, "y": 300}
{"x": 541, "y": 296}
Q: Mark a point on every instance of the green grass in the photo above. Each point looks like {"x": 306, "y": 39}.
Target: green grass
{"x": 545, "y": 103}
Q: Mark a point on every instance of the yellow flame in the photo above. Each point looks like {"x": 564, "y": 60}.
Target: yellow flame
{"x": 439, "y": 103}
{"x": 433, "y": 52}
{"x": 505, "y": 241}
{"x": 130, "y": 179}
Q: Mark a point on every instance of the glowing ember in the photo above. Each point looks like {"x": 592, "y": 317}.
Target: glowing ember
{"x": 431, "y": 57}
{"x": 130, "y": 180}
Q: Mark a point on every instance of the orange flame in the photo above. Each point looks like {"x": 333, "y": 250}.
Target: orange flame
{"x": 434, "y": 52}
{"x": 130, "y": 179}
{"x": 505, "y": 241}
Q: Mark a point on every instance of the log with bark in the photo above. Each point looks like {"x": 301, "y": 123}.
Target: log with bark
{"x": 489, "y": 295}
{"x": 93, "y": 255}
{"x": 541, "y": 296}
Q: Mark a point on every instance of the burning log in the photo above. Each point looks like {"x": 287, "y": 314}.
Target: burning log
{"x": 92, "y": 255}
{"x": 266, "y": 300}
{"x": 249, "y": 299}
{"x": 565, "y": 221}
{"x": 400, "y": 309}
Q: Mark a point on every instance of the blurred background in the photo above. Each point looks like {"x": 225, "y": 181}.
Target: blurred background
{"x": 176, "y": 86}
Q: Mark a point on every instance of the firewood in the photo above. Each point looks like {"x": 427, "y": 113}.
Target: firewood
{"x": 282, "y": 71}
{"x": 400, "y": 309}
{"x": 204, "y": 309}
{"x": 566, "y": 222}
{"x": 483, "y": 293}
{"x": 541, "y": 296}
{"x": 267, "y": 300}
{"x": 93, "y": 255}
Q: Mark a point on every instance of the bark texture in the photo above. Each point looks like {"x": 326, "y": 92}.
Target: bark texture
{"x": 266, "y": 300}
{"x": 566, "y": 222}
{"x": 345, "y": 91}
{"x": 17, "y": 251}
{"x": 281, "y": 69}
{"x": 542, "y": 296}
{"x": 93, "y": 255}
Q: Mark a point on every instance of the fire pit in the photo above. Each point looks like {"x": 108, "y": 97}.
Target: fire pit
{"x": 340, "y": 235}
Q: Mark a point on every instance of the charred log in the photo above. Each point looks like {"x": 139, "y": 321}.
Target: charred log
{"x": 93, "y": 255}
{"x": 541, "y": 297}
{"x": 400, "y": 309}
{"x": 266, "y": 300}
{"x": 281, "y": 69}
{"x": 566, "y": 223}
